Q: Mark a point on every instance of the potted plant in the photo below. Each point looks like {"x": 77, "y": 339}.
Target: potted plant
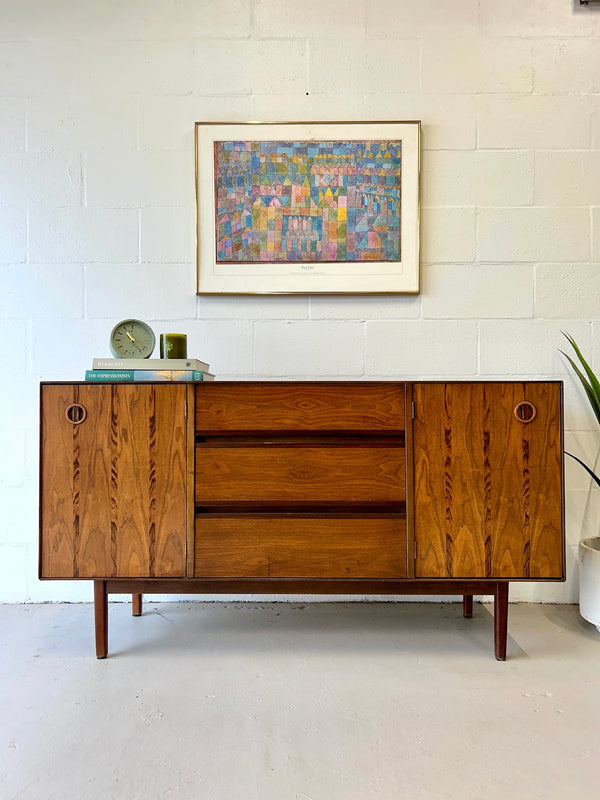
{"x": 589, "y": 549}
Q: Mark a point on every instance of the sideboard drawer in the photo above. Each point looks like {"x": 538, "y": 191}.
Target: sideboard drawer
{"x": 323, "y": 407}
{"x": 307, "y": 546}
{"x": 283, "y": 473}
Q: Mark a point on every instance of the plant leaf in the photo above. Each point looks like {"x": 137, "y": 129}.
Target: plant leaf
{"x": 594, "y": 401}
{"x": 591, "y": 384}
{"x": 595, "y": 383}
{"x": 585, "y": 466}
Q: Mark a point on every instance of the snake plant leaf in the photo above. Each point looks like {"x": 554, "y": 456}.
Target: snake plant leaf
{"x": 589, "y": 381}
{"x": 593, "y": 380}
{"x": 585, "y": 466}
{"x": 594, "y": 400}
{"x": 592, "y": 389}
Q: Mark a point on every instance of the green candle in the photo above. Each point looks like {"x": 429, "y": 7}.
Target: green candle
{"x": 173, "y": 345}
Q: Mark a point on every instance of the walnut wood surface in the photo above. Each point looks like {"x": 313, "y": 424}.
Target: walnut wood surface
{"x": 113, "y": 489}
{"x": 299, "y": 474}
{"x": 488, "y": 488}
{"x": 297, "y": 546}
{"x": 302, "y": 488}
{"x": 500, "y": 620}
{"x": 101, "y": 618}
{"x": 357, "y": 407}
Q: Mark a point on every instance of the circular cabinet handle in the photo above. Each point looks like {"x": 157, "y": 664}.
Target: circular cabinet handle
{"x": 525, "y": 412}
{"x": 75, "y": 413}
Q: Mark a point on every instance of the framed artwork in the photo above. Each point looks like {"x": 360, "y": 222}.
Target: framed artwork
{"x": 307, "y": 208}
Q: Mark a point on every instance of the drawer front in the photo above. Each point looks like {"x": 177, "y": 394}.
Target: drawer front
{"x": 253, "y": 407}
{"x": 271, "y": 546}
{"x": 276, "y": 474}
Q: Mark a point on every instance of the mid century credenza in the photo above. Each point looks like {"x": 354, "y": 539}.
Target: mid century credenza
{"x": 445, "y": 488}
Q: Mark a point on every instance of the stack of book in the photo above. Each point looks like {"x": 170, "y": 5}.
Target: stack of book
{"x": 148, "y": 369}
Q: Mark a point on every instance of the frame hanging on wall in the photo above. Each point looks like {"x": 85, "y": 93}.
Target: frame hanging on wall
{"x": 307, "y": 208}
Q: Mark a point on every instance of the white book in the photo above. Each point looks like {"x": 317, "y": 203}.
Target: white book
{"x": 150, "y": 363}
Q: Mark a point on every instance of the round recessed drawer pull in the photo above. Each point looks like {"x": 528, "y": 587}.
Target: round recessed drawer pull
{"x": 525, "y": 412}
{"x": 75, "y": 413}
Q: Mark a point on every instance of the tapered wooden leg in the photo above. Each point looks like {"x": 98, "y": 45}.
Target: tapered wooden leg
{"x": 500, "y": 619}
{"x": 467, "y": 605}
{"x": 101, "y": 618}
{"x": 136, "y": 605}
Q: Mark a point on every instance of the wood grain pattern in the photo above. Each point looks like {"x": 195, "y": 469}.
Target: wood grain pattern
{"x": 276, "y": 474}
{"x": 238, "y": 546}
{"x": 356, "y": 407}
{"x": 190, "y": 467}
{"x": 113, "y": 489}
{"x": 488, "y": 488}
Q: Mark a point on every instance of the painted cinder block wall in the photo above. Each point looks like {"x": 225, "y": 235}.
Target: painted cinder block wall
{"x": 97, "y": 105}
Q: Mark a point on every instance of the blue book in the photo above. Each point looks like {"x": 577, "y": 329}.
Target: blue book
{"x": 147, "y": 375}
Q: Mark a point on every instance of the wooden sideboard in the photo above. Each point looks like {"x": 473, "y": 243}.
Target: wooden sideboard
{"x": 302, "y": 487}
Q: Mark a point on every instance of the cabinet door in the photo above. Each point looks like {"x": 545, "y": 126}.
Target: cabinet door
{"x": 113, "y": 481}
{"x": 488, "y": 485}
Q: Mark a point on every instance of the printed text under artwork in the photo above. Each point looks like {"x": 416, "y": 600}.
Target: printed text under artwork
{"x": 307, "y": 201}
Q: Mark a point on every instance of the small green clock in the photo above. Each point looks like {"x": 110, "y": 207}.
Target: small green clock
{"x": 132, "y": 338}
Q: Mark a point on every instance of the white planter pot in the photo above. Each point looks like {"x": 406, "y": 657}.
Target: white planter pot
{"x": 589, "y": 580}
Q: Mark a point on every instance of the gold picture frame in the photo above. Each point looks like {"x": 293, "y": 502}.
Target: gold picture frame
{"x": 307, "y": 208}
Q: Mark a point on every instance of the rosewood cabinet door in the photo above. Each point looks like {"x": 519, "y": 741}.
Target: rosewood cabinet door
{"x": 488, "y": 480}
{"x": 113, "y": 481}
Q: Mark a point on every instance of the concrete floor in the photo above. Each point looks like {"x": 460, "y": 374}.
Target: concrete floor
{"x": 278, "y": 701}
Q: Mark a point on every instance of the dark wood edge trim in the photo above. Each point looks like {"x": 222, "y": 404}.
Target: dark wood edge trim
{"x": 300, "y": 586}
{"x": 409, "y": 481}
{"x": 298, "y": 438}
{"x": 299, "y": 510}
{"x": 201, "y": 385}
{"x": 400, "y": 584}
{"x": 563, "y": 480}
{"x": 40, "y": 480}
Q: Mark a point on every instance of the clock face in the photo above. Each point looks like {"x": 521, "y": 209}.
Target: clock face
{"x": 132, "y": 338}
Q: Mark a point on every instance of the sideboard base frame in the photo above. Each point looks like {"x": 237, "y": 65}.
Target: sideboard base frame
{"x": 466, "y": 588}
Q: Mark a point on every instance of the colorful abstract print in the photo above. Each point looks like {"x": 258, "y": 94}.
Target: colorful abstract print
{"x": 307, "y": 201}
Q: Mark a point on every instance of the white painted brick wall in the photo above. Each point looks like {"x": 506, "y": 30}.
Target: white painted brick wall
{"x": 478, "y": 178}
{"x": 317, "y": 18}
{"x": 473, "y": 64}
{"x": 471, "y": 291}
{"x": 13, "y": 242}
{"x": 317, "y": 348}
{"x": 553, "y": 122}
{"x": 451, "y": 118}
{"x": 428, "y": 348}
{"x": 97, "y": 105}
{"x": 596, "y": 234}
{"x": 451, "y": 234}
{"x": 80, "y": 235}
{"x": 13, "y": 124}
{"x": 538, "y": 233}
{"x": 340, "y": 66}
